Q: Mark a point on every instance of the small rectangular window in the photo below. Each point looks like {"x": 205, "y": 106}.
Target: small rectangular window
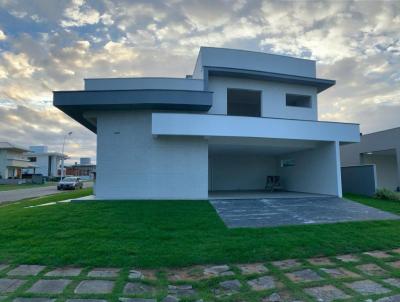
{"x": 32, "y": 159}
{"x": 297, "y": 100}
{"x": 243, "y": 102}
{"x": 287, "y": 163}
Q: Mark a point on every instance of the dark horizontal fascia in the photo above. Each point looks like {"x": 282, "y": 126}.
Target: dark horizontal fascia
{"x": 75, "y": 103}
{"x": 320, "y": 84}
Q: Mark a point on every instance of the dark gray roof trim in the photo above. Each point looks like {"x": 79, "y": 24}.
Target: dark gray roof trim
{"x": 320, "y": 84}
{"x": 75, "y": 103}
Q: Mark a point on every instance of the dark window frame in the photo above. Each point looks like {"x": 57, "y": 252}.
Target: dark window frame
{"x": 302, "y": 102}
{"x": 259, "y": 103}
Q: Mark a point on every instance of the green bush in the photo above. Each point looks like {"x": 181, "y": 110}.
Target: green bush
{"x": 387, "y": 194}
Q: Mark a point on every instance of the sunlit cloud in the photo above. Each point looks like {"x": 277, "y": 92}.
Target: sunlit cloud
{"x": 59, "y": 43}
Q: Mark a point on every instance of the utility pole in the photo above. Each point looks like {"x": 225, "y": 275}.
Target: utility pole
{"x": 62, "y": 152}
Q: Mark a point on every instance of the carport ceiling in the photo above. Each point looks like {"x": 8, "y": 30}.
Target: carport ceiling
{"x": 382, "y": 152}
{"x": 271, "y": 147}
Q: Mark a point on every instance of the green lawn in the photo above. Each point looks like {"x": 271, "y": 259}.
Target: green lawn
{"x": 25, "y": 186}
{"x": 170, "y": 233}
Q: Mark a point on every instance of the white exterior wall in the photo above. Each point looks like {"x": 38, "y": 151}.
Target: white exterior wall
{"x": 134, "y": 164}
{"x": 250, "y": 60}
{"x": 273, "y": 97}
{"x": 3, "y": 164}
{"x": 240, "y": 171}
{"x": 315, "y": 171}
{"x": 386, "y": 170}
{"x": 144, "y": 83}
{"x": 243, "y": 126}
{"x": 42, "y": 163}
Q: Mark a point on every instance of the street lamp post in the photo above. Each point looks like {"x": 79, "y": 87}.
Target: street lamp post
{"x": 62, "y": 152}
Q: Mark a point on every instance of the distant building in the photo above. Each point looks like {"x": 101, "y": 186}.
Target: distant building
{"x": 84, "y": 169}
{"x": 85, "y": 161}
{"x": 381, "y": 149}
{"x": 48, "y": 163}
{"x": 13, "y": 160}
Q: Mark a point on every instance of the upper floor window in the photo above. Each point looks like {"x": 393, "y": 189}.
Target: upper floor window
{"x": 242, "y": 102}
{"x": 32, "y": 159}
{"x": 297, "y": 100}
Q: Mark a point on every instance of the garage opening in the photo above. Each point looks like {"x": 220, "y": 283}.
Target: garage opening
{"x": 272, "y": 167}
{"x": 243, "y": 102}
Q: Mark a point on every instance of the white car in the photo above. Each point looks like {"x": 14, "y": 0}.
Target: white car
{"x": 70, "y": 183}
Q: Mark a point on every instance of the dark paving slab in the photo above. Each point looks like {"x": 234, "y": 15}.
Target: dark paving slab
{"x": 294, "y": 211}
{"x": 49, "y": 286}
{"x": 10, "y": 285}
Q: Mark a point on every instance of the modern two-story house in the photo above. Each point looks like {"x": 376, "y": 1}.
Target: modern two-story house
{"x": 240, "y": 117}
{"x": 12, "y": 160}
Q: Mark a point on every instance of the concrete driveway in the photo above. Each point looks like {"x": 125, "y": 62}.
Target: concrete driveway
{"x": 15, "y": 195}
{"x": 272, "y": 212}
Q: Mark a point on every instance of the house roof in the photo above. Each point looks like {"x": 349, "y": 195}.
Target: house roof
{"x": 10, "y": 146}
{"x": 75, "y": 103}
{"x": 245, "y": 64}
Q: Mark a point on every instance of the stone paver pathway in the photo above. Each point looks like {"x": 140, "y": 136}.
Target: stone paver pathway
{"x": 372, "y": 276}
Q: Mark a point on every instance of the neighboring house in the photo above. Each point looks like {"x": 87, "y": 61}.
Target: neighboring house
{"x": 48, "y": 163}
{"x": 241, "y": 116}
{"x": 381, "y": 149}
{"x": 85, "y": 168}
{"x": 13, "y": 160}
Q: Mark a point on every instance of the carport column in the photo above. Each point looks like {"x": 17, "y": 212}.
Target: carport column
{"x": 398, "y": 166}
{"x": 338, "y": 169}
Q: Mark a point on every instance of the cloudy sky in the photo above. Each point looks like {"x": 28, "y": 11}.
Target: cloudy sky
{"x": 48, "y": 45}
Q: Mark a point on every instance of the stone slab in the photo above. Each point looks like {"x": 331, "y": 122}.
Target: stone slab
{"x": 306, "y": 275}
{"x": 136, "y": 300}
{"x": 349, "y": 258}
{"x": 3, "y": 267}
{"x": 339, "y": 272}
{"x": 181, "y": 291}
{"x": 64, "y": 272}
{"x": 228, "y": 288}
{"x": 193, "y": 273}
{"x": 271, "y": 212}
{"x": 326, "y": 293}
{"x": 170, "y": 298}
{"x": 395, "y": 264}
{"x": 320, "y": 261}
{"x": 249, "y": 269}
{"x": 395, "y": 298}
{"x": 10, "y": 285}
{"x": 137, "y": 288}
{"x": 371, "y": 269}
{"x": 94, "y": 287}
{"x": 104, "y": 273}
{"x": 262, "y": 283}
{"x": 287, "y": 264}
{"x": 378, "y": 254}
{"x": 367, "y": 287}
{"x": 218, "y": 271}
{"x": 26, "y": 270}
{"x": 393, "y": 282}
{"x": 86, "y": 300}
{"x": 49, "y": 286}
{"x": 34, "y": 300}
{"x": 396, "y": 251}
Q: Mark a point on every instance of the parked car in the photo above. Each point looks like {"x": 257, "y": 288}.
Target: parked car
{"x": 70, "y": 183}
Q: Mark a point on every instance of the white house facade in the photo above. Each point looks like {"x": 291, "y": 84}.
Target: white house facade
{"x": 12, "y": 160}
{"x": 47, "y": 163}
{"x": 240, "y": 117}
